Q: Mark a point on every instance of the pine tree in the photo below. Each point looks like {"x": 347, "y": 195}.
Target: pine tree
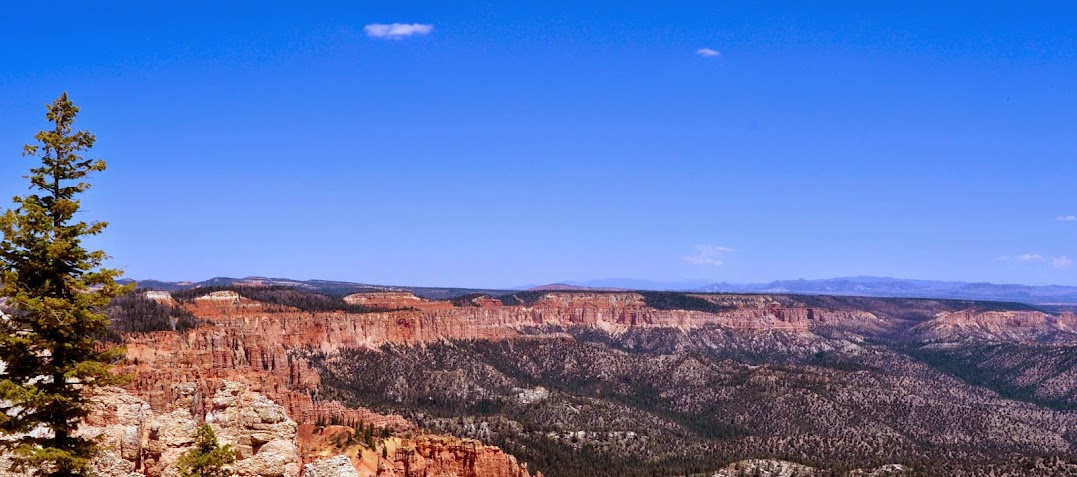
{"x": 57, "y": 289}
{"x": 206, "y": 458}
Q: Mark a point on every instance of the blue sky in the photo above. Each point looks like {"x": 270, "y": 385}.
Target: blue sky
{"x": 504, "y": 143}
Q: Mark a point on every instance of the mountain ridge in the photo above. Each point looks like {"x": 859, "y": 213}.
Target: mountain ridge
{"x": 910, "y": 288}
{"x": 1057, "y": 296}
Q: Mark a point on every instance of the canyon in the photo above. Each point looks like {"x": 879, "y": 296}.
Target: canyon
{"x": 248, "y": 341}
{"x": 565, "y": 383}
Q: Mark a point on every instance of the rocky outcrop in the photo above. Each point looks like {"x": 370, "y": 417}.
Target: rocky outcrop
{"x": 423, "y": 456}
{"x": 162, "y": 297}
{"x": 440, "y": 456}
{"x": 138, "y": 442}
{"x": 121, "y": 422}
{"x": 339, "y": 466}
{"x": 224, "y": 296}
{"x": 259, "y": 429}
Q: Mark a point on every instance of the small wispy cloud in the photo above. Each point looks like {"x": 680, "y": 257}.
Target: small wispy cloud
{"x": 708, "y": 52}
{"x": 396, "y": 31}
{"x": 707, "y": 255}
{"x": 1067, "y": 218}
{"x": 1060, "y": 262}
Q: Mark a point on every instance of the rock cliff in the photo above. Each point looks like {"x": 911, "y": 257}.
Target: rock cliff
{"x": 244, "y": 341}
{"x": 246, "y": 346}
{"x": 1006, "y": 326}
{"x": 136, "y": 441}
{"x": 424, "y": 456}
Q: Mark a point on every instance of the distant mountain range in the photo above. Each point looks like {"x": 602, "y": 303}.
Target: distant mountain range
{"x": 855, "y": 286}
{"x": 329, "y": 287}
{"x": 896, "y": 287}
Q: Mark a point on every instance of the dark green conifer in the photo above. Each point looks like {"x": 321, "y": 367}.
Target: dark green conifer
{"x": 57, "y": 290}
{"x": 207, "y": 458}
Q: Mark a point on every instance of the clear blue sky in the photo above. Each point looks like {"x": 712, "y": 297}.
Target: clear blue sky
{"x": 536, "y": 142}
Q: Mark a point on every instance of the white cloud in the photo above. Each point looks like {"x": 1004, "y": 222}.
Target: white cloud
{"x": 1029, "y": 257}
{"x": 1060, "y": 262}
{"x": 1068, "y": 218}
{"x": 707, "y": 255}
{"x": 397, "y": 31}
{"x": 708, "y": 52}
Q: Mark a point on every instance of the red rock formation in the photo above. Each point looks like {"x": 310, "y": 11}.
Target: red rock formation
{"x": 410, "y": 457}
{"x": 256, "y": 344}
{"x": 249, "y": 342}
{"x": 441, "y": 455}
{"x": 255, "y": 350}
